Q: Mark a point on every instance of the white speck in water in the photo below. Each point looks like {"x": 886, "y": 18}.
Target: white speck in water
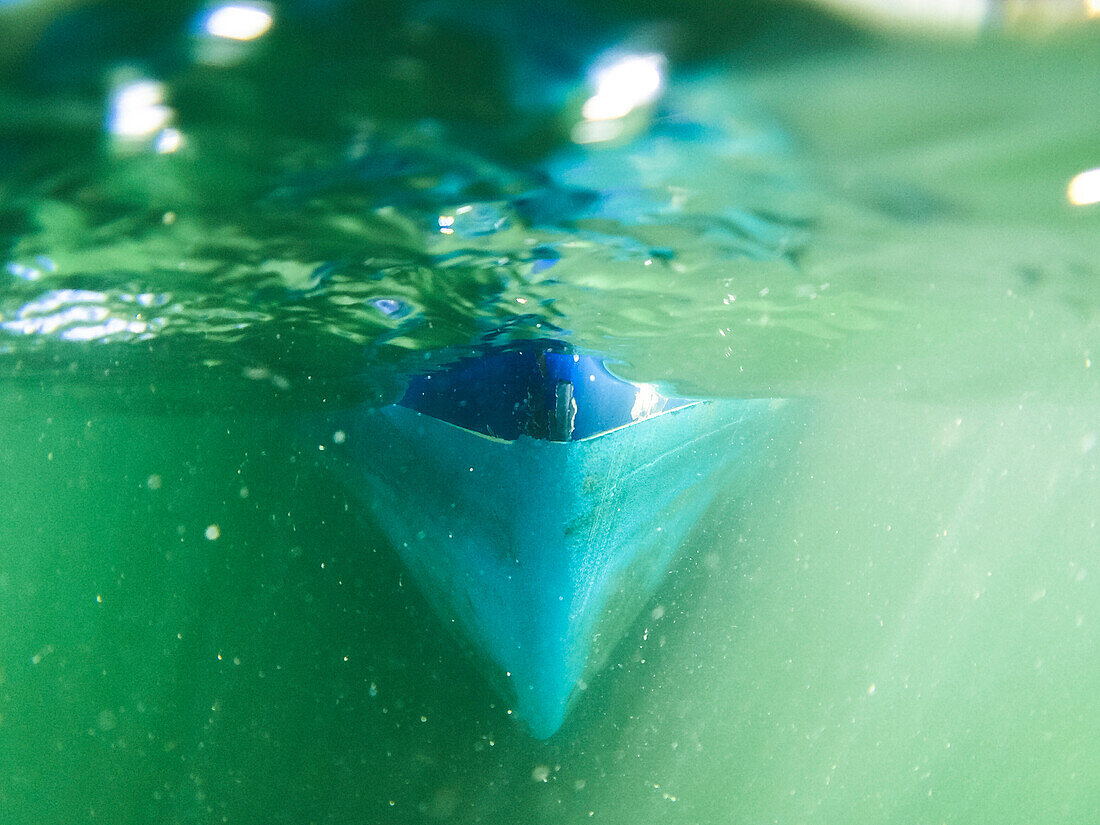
{"x": 657, "y": 612}
{"x": 339, "y": 437}
{"x": 107, "y": 720}
{"x": 98, "y": 598}
{"x": 244, "y": 492}
{"x": 540, "y": 773}
{"x": 212, "y": 532}
{"x": 373, "y": 690}
{"x": 871, "y": 689}
{"x": 154, "y": 482}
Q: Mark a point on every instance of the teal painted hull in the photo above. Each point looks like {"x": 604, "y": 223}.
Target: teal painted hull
{"x": 539, "y": 554}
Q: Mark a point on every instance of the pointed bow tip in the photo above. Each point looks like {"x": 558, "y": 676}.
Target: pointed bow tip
{"x": 541, "y": 703}
{"x": 541, "y": 723}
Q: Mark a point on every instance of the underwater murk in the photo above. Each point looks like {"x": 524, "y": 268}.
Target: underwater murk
{"x": 240, "y": 240}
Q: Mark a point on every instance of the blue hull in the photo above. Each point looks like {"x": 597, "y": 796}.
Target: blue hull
{"x": 540, "y": 553}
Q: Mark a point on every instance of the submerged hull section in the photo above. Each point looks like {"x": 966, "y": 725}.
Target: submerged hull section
{"x": 539, "y": 554}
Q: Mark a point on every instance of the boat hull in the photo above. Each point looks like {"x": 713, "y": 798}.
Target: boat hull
{"x": 539, "y": 554}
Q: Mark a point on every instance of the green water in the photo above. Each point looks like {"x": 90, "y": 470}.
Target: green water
{"x": 895, "y": 623}
{"x": 897, "y": 627}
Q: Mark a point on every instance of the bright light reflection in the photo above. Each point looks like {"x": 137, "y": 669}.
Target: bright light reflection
{"x": 27, "y": 273}
{"x": 138, "y": 109}
{"x": 596, "y": 131}
{"x": 957, "y": 14}
{"x": 82, "y": 315}
{"x": 646, "y": 402}
{"x": 1092, "y": 8}
{"x": 168, "y": 141}
{"x": 239, "y": 21}
{"x": 624, "y": 85}
{"x": 1085, "y": 188}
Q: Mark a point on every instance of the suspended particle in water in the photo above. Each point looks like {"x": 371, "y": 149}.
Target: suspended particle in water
{"x": 540, "y": 773}
{"x": 339, "y": 437}
{"x": 107, "y": 720}
{"x": 154, "y": 482}
{"x": 212, "y": 532}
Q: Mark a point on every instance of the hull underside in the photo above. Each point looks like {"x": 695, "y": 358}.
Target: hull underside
{"x": 539, "y": 554}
